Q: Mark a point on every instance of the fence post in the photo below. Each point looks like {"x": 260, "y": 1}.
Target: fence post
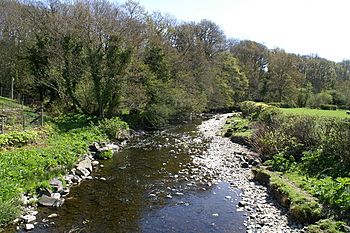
{"x": 23, "y": 116}
{"x": 2, "y": 124}
{"x": 42, "y": 115}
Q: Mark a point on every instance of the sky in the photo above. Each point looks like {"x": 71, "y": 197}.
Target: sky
{"x": 303, "y": 27}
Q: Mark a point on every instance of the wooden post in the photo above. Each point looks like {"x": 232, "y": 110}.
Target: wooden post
{"x": 12, "y": 86}
{"x": 42, "y": 115}
{"x": 2, "y": 124}
{"x": 23, "y": 116}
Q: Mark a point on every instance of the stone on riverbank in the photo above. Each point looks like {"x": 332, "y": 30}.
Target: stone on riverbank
{"x": 50, "y": 201}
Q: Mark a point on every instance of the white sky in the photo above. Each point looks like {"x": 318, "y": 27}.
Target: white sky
{"x": 299, "y": 26}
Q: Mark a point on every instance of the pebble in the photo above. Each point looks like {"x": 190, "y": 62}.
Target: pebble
{"x": 53, "y": 215}
{"x": 226, "y": 161}
{"x": 29, "y": 227}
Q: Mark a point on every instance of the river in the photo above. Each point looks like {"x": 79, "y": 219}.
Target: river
{"x": 186, "y": 178}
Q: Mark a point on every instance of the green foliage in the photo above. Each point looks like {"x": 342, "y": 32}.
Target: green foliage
{"x": 252, "y": 109}
{"x": 25, "y": 169}
{"x": 328, "y": 107}
{"x": 9, "y": 210}
{"x": 332, "y": 191}
{"x": 17, "y": 139}
{"x": 327, "y": 226}
{"x": 107, "y": 154}
{"x": 302, "y": 206}
{"x": 280, "y": 163}
{"x": 323, "y": 98}
{"x": 115, "y": 128}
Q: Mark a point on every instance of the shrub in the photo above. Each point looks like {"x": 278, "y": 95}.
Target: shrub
{"x": 107, "y": 154}
{"x": 17, "y": 138}
{"x": 115, "y": 128}
{"x": 327, "y": 226}
{"x": 252, "y": 109}
{"x": 328, "y": 107}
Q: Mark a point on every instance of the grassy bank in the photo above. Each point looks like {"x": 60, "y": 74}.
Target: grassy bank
{"x": 341, "y": 114}
{"x": 53, "y": 152}
{"x": 304, "y": 150}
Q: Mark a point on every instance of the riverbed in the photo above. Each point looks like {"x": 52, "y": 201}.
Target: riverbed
{"x": 186, "y": 178}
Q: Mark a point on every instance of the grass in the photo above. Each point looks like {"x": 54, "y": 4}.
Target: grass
{"x": 316, "y": 112}
{"x": 16, "y": 114}
{"x": 27, "y": 168}
{"x": 303, "y": 206}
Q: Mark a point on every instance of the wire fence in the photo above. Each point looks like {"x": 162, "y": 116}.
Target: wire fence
{"x": 15, "y": 113}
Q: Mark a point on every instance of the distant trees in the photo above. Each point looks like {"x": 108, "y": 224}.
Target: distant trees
{"x": 101, "y": 58}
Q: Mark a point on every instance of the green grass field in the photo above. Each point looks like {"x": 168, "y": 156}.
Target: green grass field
{"x": 316, "y": 112}
{"x": 9, "y": 103}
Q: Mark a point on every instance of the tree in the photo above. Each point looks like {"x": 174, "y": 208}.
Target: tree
{"x": 283, "y": 78}
{"x": 253, "y": 58}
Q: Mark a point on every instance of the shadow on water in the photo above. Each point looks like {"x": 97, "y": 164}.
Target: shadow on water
{"x": 151, "y": 186}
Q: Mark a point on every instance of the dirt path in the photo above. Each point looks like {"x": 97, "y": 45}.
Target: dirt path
{"x": 224, "y": 160}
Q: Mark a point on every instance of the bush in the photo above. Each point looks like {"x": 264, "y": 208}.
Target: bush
{"x": 107, "y": 154}
{"x": 252, "y": 109}
{"x": 17, "y": 138}
{"x": 115, "y": 128}
{"x": 328, "y": 107}
{"x": 327, "y": 226}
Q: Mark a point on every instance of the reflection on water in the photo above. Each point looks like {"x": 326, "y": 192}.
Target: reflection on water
{"x": 209, "y": 211}
{"x": 152, "y": 186}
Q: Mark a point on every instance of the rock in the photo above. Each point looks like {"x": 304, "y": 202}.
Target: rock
{"x": 241, "y": 204}
{"x": 94, "y": 147}
{"x": 56, "y": 184}
{"x": 53, "y": 215}
{"x": 82, "y": 172}
{"x": 84, "y": 164}
{"x": 50, "y": 201}
{"x": 95, "y": 163}
{"x": 76, "y": 179}
{"x": 113, "y": 147}
{"x": 56, "y": 195}
{"x": 28, "y": 218}
{"x": 179, "y": 194}
{"x": 29, "y": 227}
{"x": 65, "y": 191}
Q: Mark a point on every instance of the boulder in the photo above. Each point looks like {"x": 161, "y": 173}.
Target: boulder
{"x": 94, "y": 147}
{"x": 84, "y": 164}
{"x": 56, "y": 184}
{"x": 50, "y": 201}
{"x": 28, "y": 218}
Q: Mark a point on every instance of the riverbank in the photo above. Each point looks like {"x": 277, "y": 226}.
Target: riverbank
{"x": 34, "y": 172}
{"x": 231, "y": 162}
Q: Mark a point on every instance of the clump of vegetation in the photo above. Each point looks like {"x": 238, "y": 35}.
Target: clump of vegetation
{"x": 238, "y": 130}
{"x": 310, "y": 149}
{"x": 17, "y": 138}
{"x": 115, "y": 128}
{"x": 27, "y": 168}
{"x": 302, "y": 206}
{"x": 328, "y": 226}
{"x": 106, "y": 154}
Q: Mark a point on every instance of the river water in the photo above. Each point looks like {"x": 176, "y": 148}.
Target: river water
{"x": 153, "y": 185}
